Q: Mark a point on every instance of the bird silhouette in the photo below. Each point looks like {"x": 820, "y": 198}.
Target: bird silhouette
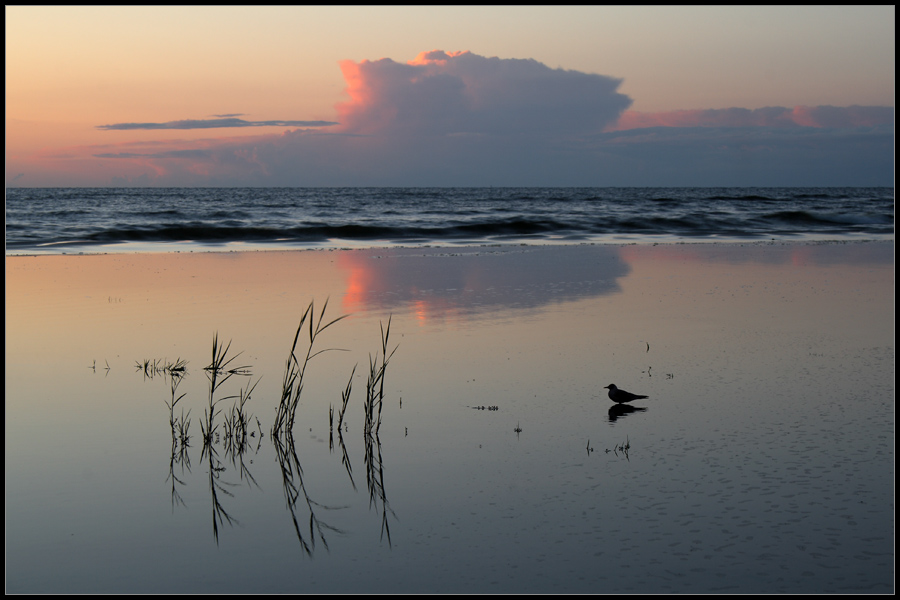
{"x": 619, "y": 396}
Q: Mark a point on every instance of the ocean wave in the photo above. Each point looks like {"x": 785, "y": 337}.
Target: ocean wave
{"x": 60, "y": 217}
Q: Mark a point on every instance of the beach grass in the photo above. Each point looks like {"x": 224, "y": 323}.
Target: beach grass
{"x": 295, "y": 368}
{"x": 219, "y": 371}
{"x": 375, "y": 383}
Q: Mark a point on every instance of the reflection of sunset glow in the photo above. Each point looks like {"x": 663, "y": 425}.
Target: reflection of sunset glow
{"x": 454, "y": 287}
{"x": 368, "y": 287}
{"x": 420, "y": 310}
{"x": 428, "y": 311}
{"x": 359, "y": 281}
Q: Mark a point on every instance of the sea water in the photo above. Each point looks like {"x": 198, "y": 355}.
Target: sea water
{"x": 140, "y": 219}
{"x": 762, "y": 461}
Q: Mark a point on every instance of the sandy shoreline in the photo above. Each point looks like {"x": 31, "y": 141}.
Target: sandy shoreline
{"x": 332, "y": 245}
{"x": 762, "y": 461}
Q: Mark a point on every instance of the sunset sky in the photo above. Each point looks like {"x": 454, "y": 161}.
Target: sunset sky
{"x": 347, "y": 96}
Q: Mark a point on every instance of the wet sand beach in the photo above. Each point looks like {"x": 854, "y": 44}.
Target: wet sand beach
{"x": 762, "y": 461}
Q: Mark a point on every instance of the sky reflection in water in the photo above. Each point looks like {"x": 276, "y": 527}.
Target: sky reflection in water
{"x": 762, "y": 461}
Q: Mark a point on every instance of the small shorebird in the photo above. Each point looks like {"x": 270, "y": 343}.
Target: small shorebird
{"x": 619, "y": 396}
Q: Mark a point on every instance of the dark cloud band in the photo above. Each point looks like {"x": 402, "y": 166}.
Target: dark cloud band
{"x": 214, "y": 123}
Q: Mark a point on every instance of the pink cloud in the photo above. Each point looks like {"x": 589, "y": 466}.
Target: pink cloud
{"x": 460, "y": 93}
{"x": 772, "y": 116}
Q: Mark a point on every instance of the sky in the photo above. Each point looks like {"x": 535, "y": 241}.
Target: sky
{"x": 449, "y": 96}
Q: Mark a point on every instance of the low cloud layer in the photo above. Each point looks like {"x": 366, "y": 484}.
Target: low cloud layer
{"x": 750, "y": 156}
{"x": 772, "y": 116}
{"x": 226, "y": 121}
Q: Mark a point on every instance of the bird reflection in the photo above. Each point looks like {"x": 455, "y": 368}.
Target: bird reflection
{"x": 617, "y": 411}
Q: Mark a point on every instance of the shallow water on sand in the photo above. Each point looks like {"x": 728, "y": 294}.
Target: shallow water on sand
{"x": 761, "y": 462}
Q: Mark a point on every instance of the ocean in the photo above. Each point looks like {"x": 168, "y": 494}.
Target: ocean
{"x": 66, "y": 220}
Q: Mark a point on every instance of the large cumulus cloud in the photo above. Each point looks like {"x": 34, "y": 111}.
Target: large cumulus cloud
{"x": 460, "y": 93}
